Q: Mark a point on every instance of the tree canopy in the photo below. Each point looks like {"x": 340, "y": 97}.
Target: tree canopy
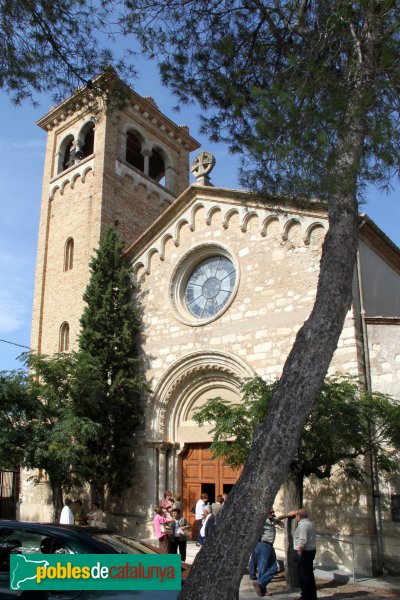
{"x": 73, "y": 416}
{"x": 53, "y": 46}
{"x": 40, "y": 429}
{"x": 280, "y": 82}
{"x": 345, "y": 424}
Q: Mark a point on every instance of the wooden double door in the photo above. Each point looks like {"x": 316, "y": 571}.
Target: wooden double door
{"x": 203, "y": 474}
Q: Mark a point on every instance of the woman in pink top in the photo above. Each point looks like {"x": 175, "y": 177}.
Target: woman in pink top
{"x": 159, "y": 522}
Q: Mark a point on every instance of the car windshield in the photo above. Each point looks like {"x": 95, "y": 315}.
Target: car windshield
{"x": 122, "y": 544}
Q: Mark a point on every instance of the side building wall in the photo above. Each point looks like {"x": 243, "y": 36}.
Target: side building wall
{"x": 380, "y": 279}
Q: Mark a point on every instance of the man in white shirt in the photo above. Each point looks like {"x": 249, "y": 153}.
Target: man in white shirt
{"x": 201, "y": 504}
{"x": 67, "y": 516}
{"x": 304, "y": 543}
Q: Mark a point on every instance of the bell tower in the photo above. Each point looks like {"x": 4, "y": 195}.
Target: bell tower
{"x": 104, "y": 164}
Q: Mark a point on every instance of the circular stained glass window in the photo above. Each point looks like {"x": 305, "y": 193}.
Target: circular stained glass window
{"x": 209, "y": 286}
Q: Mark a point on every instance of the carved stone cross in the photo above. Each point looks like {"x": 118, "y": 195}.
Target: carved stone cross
{"x": 202, "y": 165}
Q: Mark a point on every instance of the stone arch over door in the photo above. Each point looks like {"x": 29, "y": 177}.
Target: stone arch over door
{"x": 187, "y": 384}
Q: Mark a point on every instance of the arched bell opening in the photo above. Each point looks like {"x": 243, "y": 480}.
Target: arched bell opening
{"x": 157, "y": 167}
{"x": 133, "y": 154}
{"x": 87, "y": 144}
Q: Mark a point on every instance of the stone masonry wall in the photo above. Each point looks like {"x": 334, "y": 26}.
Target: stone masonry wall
{"x": 277, "y": 288}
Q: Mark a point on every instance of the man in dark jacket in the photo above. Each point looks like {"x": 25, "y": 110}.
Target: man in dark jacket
{"x": 210, "y": 523}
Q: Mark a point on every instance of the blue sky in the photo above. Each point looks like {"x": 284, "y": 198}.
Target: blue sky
{"x": 22, "y": 145}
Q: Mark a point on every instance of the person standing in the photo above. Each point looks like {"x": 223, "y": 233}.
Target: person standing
{"x": 67, "y": 516}
{"x": 304, "y": 543}
{"x": 160, "y": 522}
{"x": 262, "y": 566}
{"x": 201, "y": 504}
{"x": 79, "y": 513}
{"x": 211, "y": 520}
{"x": 95, "y": 516}
{"x": 178, "y": 502}
{"x": 179, "y": 531}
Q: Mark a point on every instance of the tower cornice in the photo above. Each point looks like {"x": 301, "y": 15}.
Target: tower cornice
{"x": 83, "y": 98}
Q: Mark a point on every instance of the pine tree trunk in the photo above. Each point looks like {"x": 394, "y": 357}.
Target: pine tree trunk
{"x": 292, "y": 499}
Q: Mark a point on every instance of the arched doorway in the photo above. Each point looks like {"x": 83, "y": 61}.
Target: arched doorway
{"x": 182, "y": 458}
{"x": 201, "y": 473}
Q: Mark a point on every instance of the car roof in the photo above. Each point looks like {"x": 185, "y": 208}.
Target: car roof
{"x": 55, "y": 527}
{"x": 61, "y": 531}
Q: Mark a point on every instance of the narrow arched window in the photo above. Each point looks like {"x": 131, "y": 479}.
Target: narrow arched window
{"x": 134, "y": 154}
{"x": 156, "y": 166}
{"x": 69, "y": 254}
{"x": 88, "y": 143}
{"x": 63, "y": 345}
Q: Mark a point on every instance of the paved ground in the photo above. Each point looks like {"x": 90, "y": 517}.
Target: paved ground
{"x": 333, "y": 585}
{"x": 331, "y": 589}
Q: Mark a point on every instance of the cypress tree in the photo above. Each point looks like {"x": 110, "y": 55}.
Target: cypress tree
{"x": 109, "y": 363}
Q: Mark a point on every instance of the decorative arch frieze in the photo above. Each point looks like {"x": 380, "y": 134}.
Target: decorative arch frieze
{"x": 64, "y": 185}
{"x": 311, "y": 228}
{"x": 139, "y": 179}
{"x": 80, "y": 171}
{"x": 178, "y": 229}
{"x": 136, "y": 269}
{"x": 265, "y": 224}
{"x": 288, "y": 225}
{"x": 213, "y": 210}
{"x": 150, "y": 255}
{"x": 266, "y": 217}
{"x": 246, "y": 219}
{"x": 195, "y": 209}
{"x": 228, "y": 215}
{"x": 164, "y": 240}
{"x": 171, "y": 392}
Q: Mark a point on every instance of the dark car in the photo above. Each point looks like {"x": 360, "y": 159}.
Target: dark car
{"x": 35, "y": 538}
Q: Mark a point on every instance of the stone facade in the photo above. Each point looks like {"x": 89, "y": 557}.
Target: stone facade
{"x": 276, "y": 251}
{"x": 274, "y": 248}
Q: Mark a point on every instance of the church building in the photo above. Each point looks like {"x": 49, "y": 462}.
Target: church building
{"x": 223, "y": 280}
